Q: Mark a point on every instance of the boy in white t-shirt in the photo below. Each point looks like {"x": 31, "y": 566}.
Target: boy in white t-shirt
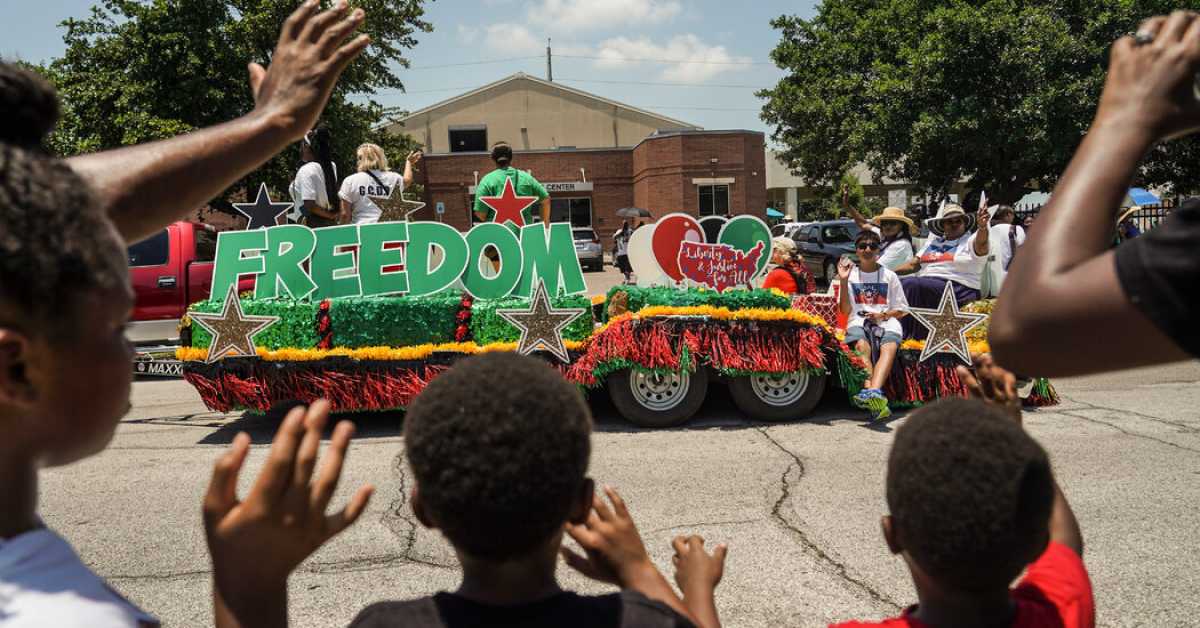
{"x": 873, "y": 300}
{"x": 373, "y": 182}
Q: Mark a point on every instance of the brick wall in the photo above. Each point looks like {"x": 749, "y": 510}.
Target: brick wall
{"x": 656, "y": 175}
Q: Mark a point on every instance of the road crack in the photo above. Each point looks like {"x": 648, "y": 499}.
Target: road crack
{"x": 403, "y": 525}
{"x": 838, "y": 568}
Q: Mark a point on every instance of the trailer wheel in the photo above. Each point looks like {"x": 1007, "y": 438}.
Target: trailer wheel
{"x": 782, "y": 397}
{"x": 651, "y": 399}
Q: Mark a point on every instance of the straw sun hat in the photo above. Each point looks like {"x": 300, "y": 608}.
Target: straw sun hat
{"x": 783, "y": 244}
{"x": 895, "y": 214}
{"x": 949, "y": 210}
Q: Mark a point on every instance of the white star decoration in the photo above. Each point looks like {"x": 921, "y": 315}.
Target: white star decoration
{"x": 947, "y": 326}
{"x": 542, "y": 325}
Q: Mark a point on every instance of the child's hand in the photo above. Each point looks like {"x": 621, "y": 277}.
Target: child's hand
{"x": 256, "y": 543}
{"x": 697, "y": 571}
{"x": 845, "y": 266}
{"x": 615, "y": 552}
{"x": 992, "y": 384}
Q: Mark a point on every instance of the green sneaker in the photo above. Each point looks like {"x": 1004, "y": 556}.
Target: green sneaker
{"x": 878, "y": 407}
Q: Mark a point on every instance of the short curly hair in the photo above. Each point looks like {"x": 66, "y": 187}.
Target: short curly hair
{"x": 55, "y": 242}
{"x": 499, "y": 445}
{"x": 30, "y": 106}
{"x": 970, "y": 494}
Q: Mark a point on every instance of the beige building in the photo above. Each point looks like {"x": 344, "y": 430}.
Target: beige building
{"x": 531, "y": 114}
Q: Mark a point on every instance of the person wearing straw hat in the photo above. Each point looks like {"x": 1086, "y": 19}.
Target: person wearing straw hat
{"x": 894, "y": 228}
{"x": 953, "y": 255}
{"x": 1126, "y": 229}
{"x": 790, "y": 275}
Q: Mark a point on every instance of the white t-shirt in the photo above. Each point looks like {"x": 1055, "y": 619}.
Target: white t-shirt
{"x": 875, "y": 292}
{"x": 360, "y": 190}
{"x": 43, "y": 583}
{"x": 953, "y": 259}
{"x": 309, "y": 185}
{"x": 894, "y": 254}
{"x": 1000, "y": 244}
{"x": 622, "y": 241}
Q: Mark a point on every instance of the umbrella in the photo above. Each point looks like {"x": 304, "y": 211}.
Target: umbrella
{"x": 633, "y": 212}
{"x": 774, "y": 213}
{"x": 1139, "y": 196}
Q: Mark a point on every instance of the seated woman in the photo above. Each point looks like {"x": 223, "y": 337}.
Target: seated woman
{"x": 790, "y": 275}
{"x": 952, "y": 255}
{"x": 873, "y": 300}
{"x": 894, "y": 229}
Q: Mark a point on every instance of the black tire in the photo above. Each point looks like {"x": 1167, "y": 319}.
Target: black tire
{"x": 778, "y": 399}
{"x": 676, "y": 406}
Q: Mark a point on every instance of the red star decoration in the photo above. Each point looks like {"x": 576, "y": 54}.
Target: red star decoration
{"x": 508, "y": 206}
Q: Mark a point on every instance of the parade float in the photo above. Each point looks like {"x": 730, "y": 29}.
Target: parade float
{"x": 366, "y": 315}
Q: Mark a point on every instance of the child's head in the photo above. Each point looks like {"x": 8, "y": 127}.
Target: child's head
{"x": 866, "y": 246}
{"x": 30, "y": 106}
{"x": 65, "y": 366}
{"x": 499, "y": 445}
{"x": 970, "y": 495}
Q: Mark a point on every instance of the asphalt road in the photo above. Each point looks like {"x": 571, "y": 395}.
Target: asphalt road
{"x": 799, "y": 505}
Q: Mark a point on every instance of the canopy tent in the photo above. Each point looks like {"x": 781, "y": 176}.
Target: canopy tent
{"x": 1141, "y": 197}
{"x": 774, "y": 213}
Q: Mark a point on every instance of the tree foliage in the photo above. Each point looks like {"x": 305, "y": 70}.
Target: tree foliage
{"x": 996, "y": 92}
{"x": 141, "y": 70}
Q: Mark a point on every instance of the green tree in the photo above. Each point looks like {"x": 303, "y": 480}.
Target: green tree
{"x": 996, "y": 92}
{"x": 140, "y": 70}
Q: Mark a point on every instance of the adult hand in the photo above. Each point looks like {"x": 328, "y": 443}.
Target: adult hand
{"x": 414, "y": 157}
{"x": 257, "y": 542}
{"x": 982, "y": 217}
{"x": 614, "y": 549}
{"x": 845, "y": 266}
{"x": 697, "y": 571}
{"x": 309, "y": 58}
{"x": 992, "y": 384}
{"x": 1151, "y": 87}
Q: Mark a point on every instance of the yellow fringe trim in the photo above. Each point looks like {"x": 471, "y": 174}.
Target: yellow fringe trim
{"x": 980, "y": 346}
{"x": 416, "y": 352}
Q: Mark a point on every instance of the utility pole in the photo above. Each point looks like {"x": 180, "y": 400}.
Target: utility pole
{"x": 549, "y": 62}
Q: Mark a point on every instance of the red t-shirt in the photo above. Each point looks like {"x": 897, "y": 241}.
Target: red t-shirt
{"x": 781, "y": 279}
{"x": 1055, "y": 593}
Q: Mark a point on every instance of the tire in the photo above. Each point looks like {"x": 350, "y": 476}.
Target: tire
{"x": 789, "y": 397}
{"x": 647, "y": 400}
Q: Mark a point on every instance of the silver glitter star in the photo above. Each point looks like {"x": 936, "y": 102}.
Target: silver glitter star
{"x": 947, "y": 327}
{"x": 541, "y": 325}
{"x": 232, "y": 331}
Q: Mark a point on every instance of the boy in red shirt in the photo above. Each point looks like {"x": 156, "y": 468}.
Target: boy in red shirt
{"x": 974, "y": 502}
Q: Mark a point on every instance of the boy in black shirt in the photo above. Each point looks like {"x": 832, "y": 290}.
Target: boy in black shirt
{"x": 499, "y": 448}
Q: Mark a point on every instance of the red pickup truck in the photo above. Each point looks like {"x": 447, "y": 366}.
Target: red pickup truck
{"x": 170, "y": 270}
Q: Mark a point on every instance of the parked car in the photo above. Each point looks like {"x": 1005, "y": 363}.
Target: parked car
{"x": 170, "y": 270}
{"x": 823, "y": 243}
{"x": 788, "y": 229}
{"x": 588, "y": 249}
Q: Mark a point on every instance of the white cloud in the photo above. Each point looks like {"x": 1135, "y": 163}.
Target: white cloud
{"x": 695, "y": 61}
{"x": 580, "y": 15}
{"x": 506, "y": 39}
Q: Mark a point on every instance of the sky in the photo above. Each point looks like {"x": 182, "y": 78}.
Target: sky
{"x": 699, "y": 61}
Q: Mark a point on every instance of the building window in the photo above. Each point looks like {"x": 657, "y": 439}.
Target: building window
{"x": 468, "y": 139}
{"x": 714, "y": 200}
{"x": 577, "y": 211}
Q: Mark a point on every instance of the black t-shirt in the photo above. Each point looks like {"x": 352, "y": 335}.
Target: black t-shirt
{"x": 1160, "y": 271}
{"x": 627, "y": 609}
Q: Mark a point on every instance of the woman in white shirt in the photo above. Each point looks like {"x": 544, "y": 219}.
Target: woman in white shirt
{"x": 373, "y": 182}
{"x": 893, "y": 228}
{"x": 952, "y": 256}
{"x": 316, "y": 181}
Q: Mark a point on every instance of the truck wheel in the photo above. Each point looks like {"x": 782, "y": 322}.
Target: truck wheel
{"x": 782, "y": 397}
{"x": 652, "y": 400}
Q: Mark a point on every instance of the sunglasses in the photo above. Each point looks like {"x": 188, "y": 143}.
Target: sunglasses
{"x": 867, "y": 246}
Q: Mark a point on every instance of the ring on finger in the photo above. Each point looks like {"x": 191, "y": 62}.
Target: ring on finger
{"x": 1141, "y": 38}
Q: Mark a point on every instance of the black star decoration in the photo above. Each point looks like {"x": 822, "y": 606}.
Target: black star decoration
{"x": 947, "y": 326}
{"x": 232, "y": 331}
{"x": 541, "y": 325}
{"x": 262, "y": 212}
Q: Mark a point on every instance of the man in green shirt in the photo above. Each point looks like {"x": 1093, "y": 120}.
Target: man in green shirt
{"x": 524, "y": 184}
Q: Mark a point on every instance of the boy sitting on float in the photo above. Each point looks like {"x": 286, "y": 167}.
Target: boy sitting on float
{"x": 873, "y": 299}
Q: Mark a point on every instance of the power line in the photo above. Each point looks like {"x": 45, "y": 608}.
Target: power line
{"x": 485, "y": 62}
{"x": 666, "y": 60}
{"x": 664, "y": 83}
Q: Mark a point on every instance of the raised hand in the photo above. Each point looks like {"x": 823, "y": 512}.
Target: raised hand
{"x": 613, "y": 547}
{"x": 698, "y": 573}
{"x": 844, "y": 268}
{"x": 414, "y": 157}
{"x": 310, "y": 56}
{"x": 982, "y": 217}
{"x": 992, "y": 384}
{"x": 1150, "y": 85}
{"x": 257, "y": 542}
